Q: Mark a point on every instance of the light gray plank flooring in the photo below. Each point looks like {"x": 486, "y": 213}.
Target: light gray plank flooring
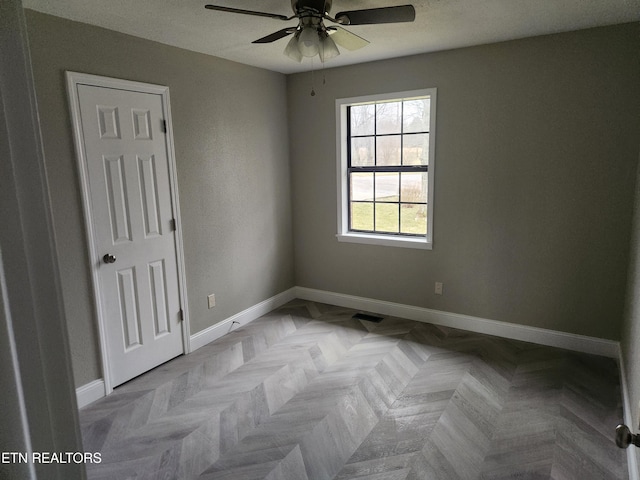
{"x": 307, "y": 392}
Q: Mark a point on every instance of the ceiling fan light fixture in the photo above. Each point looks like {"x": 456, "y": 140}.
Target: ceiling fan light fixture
{"x": 309, "y": 42}
{"x": 328, "y": 49}
{"x": 292, "y": 51}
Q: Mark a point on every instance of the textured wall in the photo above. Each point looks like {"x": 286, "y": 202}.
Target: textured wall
{"x": 536, "y": 147}
{"x": 231, "y": 143}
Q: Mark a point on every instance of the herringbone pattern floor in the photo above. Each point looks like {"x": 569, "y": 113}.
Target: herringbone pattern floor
{"x": 307, "y": 392}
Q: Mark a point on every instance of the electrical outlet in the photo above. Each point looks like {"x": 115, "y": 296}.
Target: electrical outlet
{"x": 438, "y": 288}
{"x": 212, "y": 300}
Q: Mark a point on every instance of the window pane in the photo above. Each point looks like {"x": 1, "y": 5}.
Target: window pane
{"x": 363, "y": 119}
{"x": 387, "y": 186}
{"x": 416, "y": 115}
{"x": 361, "y": 186}
{"x": 387, "y": 217}
{"x": 362, "y": 153}
{"x": 388, "y": 150}
{"x": 388, "y": 117}
{"x": 415, "y": 149}
{"x": 414, "y": 187}
{"x": 413, "y": 219}
{"x": 361, "y": 216}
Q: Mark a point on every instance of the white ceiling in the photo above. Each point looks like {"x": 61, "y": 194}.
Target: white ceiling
{"x": 439, "y": 25}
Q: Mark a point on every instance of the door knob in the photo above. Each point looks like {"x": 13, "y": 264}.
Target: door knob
{"x": 624, "y": 437}
{"x": 108, "y": 258}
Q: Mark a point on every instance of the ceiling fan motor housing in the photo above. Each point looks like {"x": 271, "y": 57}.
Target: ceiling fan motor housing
{"x": 320, "y": 6}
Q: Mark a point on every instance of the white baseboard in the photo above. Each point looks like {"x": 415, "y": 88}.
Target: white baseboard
{"x": 216, "y": 331}
{"x": 90, "y": 392}
{"x": 632, "y": 459}
{"x": 95, "y": 390}
{"x": 541, "y": 336}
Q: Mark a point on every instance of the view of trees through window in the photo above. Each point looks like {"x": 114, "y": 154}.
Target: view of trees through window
{"x": 388, "y": 166}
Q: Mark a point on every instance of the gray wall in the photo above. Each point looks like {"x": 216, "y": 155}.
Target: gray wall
{"x": 537, "y": 143}
{"x": 231, "y": 145}
{"x": 630, "y": 343}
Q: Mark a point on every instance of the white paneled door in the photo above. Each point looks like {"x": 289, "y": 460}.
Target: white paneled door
{"x": 126, "y": 157}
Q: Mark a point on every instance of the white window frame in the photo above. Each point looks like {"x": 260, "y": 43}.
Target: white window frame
{"x": 344, "y": 234}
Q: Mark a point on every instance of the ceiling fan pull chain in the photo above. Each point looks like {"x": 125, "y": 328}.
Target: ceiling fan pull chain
{"x": 324, "y": 78}
{"x": 313, "y": 92}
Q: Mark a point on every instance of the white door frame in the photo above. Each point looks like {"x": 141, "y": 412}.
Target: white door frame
{"x": 74, "y": 79}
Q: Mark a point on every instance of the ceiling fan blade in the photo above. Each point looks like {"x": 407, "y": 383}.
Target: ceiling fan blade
{"x": 402, "y": 13}
{"x": 247, "y": 12}
{"x": 346, "y": 39}
{"x": 276, "y": 35}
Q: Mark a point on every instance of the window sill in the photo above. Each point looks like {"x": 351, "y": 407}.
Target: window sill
{"x": 385, "y": 240}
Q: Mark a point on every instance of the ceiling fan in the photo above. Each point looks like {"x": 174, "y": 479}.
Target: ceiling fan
{"x": 312, "y": 37}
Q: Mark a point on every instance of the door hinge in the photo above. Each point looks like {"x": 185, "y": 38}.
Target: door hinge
{"x": 181, "y": 315}
{"x": 172, "y": 224}
{"x": 164, "y": 126}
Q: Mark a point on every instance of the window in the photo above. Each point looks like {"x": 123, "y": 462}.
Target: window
{"x": 386, "y": 168}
